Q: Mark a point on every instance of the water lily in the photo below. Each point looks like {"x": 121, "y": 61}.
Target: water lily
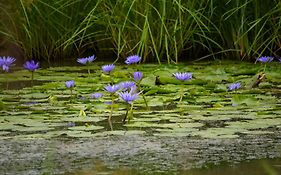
{"x": 129, "y": 97}
{"x": 137, "y": 76}
{"x": 108, "y": 68}
{"x": 265, "y": 59}
{"x": 70, "y": 84}
{"x": 279, "y": 60}
{"x": 6, "y": 62}
{"x": 127, "y": 84}
{"x": 133, "y": 59}
{"x": 96, "y": 95}
{"x": 182, "y": 76}
{"x": 31, "y": 66}
{"x": 86, "y": 61}
{"x": 112, "y": 88}
{"x": 234, "y": 86}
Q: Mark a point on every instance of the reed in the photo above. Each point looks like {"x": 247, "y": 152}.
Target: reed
{"x": 159, "y": 31}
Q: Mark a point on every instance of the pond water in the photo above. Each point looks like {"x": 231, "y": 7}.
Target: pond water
{"x": 60, "y": 133}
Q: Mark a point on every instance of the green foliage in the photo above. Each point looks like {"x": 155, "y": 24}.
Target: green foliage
{"x": 161, "y": 31}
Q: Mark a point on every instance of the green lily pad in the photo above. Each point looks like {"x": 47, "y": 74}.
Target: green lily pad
{"x": 120, "y": 133}
{"x": 78, "y": 134}
{"x": 86, "y": 128}
{"x": 83, "y": 119}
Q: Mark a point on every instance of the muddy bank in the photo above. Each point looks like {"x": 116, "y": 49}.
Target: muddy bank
{"x": 146, "y": 155}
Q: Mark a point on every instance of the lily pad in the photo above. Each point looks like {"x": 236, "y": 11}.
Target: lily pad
{"x": 86, "y": 128}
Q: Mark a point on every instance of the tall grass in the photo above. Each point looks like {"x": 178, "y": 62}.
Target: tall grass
{"x": 159, "y": 31}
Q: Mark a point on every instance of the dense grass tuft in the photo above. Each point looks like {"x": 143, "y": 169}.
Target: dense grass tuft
{"x": 159, "y": 31}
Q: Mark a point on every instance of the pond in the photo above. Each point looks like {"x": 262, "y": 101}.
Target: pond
{"x": 185, "y": 128}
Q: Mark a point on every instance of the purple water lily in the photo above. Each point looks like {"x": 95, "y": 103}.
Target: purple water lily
{"x": 70, "y": 84}
{"x": 265, "y": 59}
{"x": 96, "y": 95}
{"x": 182, "y": 76}
{"x": 6, "y": 62}
{"x": 128, "y": 96}
{"x": 133, "y": 59}
{"x": 279, "y": 60}
{"x": 108, "y": 68}
{"x": 127, "y": 84}
{"x": 31, "y": 65}
{"x": 86, "y": 60}
{"x": 112, "y": 88}
{"x": 137, "y": 76}
{"x": 234, "y": 86}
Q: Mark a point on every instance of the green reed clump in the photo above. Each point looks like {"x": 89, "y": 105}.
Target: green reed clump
{"x": 159, "y": 31}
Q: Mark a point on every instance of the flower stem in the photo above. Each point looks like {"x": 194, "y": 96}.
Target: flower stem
{"x": 88, "y": 67}
{"x": 143, "y": 96}
{"x": 32, "y": 75}
{"x": 110, "y": 114}
{"x": 124, "y": 119}
{"x": 264, "y": 67}
{"x": 181, "y": 92}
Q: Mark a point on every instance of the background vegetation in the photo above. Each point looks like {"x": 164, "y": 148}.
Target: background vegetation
{"x": 159, "y": 31}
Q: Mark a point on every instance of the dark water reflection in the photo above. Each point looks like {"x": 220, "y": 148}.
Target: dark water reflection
{"x": 253, "y": 167}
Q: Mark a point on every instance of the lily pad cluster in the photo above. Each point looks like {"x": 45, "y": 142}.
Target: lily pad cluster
{"x": 209, "y": 100}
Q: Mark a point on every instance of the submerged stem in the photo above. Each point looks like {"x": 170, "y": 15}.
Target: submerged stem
{"x": 181, "y": 92}
{"x": 143, "y": 96}
{"x": 32, "y": 75}
{"x": 110, "y": 114}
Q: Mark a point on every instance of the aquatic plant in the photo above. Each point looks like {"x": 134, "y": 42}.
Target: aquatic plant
{"x": 108, "y": 68}
{"x": 125, "y": 85}
{"x": 182, "y": 76}
{"x": 137, "y": 76}
{"x": 86, "y": 61}
{"x": 111, "y": 89}
{"x": 6, "y": 62}
{"x": 132, "y": 59}
{"x": 31, "y": 66}
{"x": 265, "y": 59}
{"x": 96, "y": 95}
{"x": 234, "y": 86}
{"x": 70, "y": 84}
{"x": 129, "y": 97}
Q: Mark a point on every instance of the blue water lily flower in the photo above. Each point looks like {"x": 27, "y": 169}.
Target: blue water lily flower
{"x": 265, "y": 59}
{"x": 279, "y": 60}
{"x": 182, "y": 76}
{"x": 112, "y": 88}
{"x": 133, "y": 59}
{"x": 108, "y": 68}
{"x": 234, "y": 86}
{"x": 69, "y": 84}
{"x": 31, "y": 65}
{"x": 96, "y": 95}
{"x": 6, "y": 62}
{"x": 137, "y": 76}
{"x": 127, "y": 84}
{"x": 86, "y": 60}
{"x": 128, "y": 96}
